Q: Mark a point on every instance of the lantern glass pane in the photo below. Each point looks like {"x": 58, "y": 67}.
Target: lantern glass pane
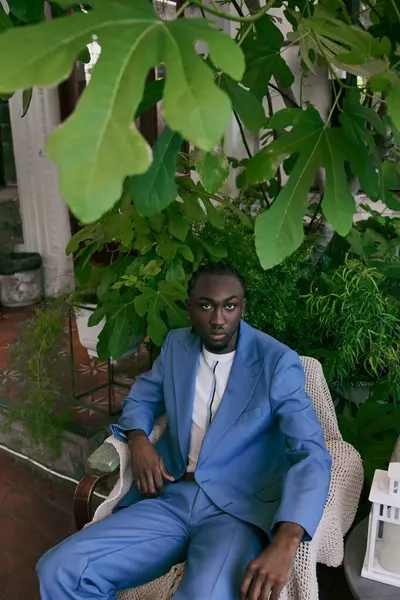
{"x": 389, "y": 555}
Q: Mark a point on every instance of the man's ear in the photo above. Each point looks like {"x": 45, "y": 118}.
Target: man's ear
{"x": 244, "y": 306}
{"x": 189, "y": 308}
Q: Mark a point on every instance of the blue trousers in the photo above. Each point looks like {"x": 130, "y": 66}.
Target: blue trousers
{"x": 142, "y": 542}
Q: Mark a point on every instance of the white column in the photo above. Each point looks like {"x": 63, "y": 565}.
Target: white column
{"x": 45, "y": 217}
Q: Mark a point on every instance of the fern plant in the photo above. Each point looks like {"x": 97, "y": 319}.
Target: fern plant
{"x": 44, "y": 397}
{"x": 358, "y": 325}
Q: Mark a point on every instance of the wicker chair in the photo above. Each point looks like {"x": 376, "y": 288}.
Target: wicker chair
{"x": 327, "y": 546}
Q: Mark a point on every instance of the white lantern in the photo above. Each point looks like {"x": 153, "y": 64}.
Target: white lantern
{"x": 382, "y": 558}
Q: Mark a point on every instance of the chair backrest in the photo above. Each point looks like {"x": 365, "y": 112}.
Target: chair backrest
{"x": 317, "y": 389}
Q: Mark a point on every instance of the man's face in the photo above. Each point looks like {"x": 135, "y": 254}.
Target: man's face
{"x": 215, "y": 306}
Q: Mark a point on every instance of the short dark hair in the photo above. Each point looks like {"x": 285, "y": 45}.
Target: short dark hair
{"x": 215, "y": 268}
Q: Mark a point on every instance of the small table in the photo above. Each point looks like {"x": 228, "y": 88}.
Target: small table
{"x": 361, "y": 588}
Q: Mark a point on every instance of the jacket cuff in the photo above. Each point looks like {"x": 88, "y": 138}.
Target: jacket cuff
{"x": 119, "y": 431}
{"x": 308, "y": 523}
{"x": 275, "y": 526}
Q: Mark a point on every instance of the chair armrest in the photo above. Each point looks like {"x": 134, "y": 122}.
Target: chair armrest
{"x": 82, "y": 503}
{"x": 103, "y": 463}
{"x": 104, "y": 460}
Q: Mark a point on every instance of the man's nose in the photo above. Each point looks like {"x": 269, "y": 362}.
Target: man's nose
{"x": 217, "y": 318}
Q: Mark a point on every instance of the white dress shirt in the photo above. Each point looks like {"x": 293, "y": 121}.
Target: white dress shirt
{"x": 211, "y": 381}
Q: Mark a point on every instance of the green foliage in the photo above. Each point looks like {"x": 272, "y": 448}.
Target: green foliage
{"x": 10, "y": 226}
{"x": 98, "y": 147}
{"x": 372, "y": 428}
{"x": 356, "y": 121}
{"x": 164, "y": 298}
{"x": 153, "y": 93}
{"x": 346, "y": 46}
{"x": 374, "y": 241}
{"x": 5, "y": 20}
{"x": 244, "y": 103}
{"x": 274, "y": 303}
{"x": 110, "y": 148}
{"x": 358, "y": 325}
{"x": 45, "y": 397}
{"x": 262, "y": 49}
{"x": 143, "y": 290}
{"x": 377, "y": 242}
{"x": 393, "y": 103}
{"x": 28, "y": 12}
{"x": 357, "y": 329}
{"x": 213, "y": 169}
{"x": 156, "y": 188}
{"x": 279, "y": 230}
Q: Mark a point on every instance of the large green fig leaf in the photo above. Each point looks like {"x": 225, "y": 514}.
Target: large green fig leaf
{"x": 98, "y": 146}
{"x": 279, "y": 230}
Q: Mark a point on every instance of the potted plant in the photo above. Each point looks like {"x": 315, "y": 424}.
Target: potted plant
{"x": 88, "y": 336}
{"x": 89, "y": 333}
{"x": 21, "y": 278}
{"x": 141, "y": 293}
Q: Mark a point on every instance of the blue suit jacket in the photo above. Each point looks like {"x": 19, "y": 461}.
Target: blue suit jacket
{"x": 263, "y": 459}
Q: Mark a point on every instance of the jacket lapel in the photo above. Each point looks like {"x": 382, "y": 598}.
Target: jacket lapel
{"x": 186, "y": 354}
{"x": 246, "y": 370}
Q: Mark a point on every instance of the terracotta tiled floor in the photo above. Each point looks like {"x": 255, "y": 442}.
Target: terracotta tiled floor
{"x": 36, "y": 514}
{"x": 89, "y": 372}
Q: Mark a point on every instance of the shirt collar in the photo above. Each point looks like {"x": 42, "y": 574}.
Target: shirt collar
{"x": 210, "y": 357}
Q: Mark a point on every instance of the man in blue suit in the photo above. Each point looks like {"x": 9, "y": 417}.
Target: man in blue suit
{"x": 238, "y": 480}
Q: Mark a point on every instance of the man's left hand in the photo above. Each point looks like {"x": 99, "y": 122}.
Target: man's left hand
{"x": 269, "y": 572}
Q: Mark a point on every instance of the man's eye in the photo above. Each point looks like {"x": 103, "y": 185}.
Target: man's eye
{"x": 230, "y": 306}
{"x": 206, "y": 306}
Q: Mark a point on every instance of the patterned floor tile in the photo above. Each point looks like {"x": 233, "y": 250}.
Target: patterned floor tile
{"x": 90, "y": 373}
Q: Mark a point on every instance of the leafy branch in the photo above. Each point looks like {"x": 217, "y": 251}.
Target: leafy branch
{"x": 240, "y": 19}
{"x": 98, "y": 149}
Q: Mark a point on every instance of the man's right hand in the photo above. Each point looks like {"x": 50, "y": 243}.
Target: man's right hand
{"x": 148, "y": 467}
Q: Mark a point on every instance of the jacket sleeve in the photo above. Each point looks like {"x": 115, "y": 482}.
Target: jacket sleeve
{"x": 306, "y": 486}
{"x": 145, "y": 401}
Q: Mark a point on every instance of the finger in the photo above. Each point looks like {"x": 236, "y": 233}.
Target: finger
{"x": 141, "y": 485}
{"x": 151, "y": 488}
{"x": 248, "y": 578}
{"x": 266, "y": 591}
{"x": 165, "y": 473}
{"x": 255, "y": 588}
{"x": 158, "y": 482}
{"x": 276, "y": 591}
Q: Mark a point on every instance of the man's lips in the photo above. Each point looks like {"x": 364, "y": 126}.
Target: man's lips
{"x": 217, "y": 335}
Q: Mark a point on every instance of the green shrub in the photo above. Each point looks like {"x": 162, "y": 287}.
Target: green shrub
{"x": 274, "y": 297}
{"x": 357, "y": 324}
{"x": 44, "y": 398}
